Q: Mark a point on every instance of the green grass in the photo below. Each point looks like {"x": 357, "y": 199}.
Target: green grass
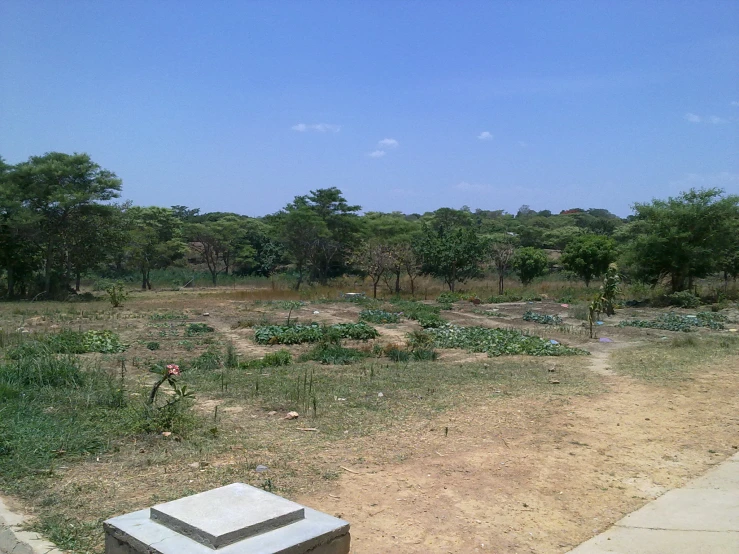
{"x": 674, "y": 360}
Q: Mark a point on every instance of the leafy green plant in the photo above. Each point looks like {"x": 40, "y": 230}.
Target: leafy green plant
{"x": 683, "y": 299}
{"x": 297, "y": 334}
{"x": 379, "y": 316}
{"x": 397, "y": 354}
{"x": 75, "y": 342}
{"x": 676, "y": 322}
{"x": 333, "y": 354}
{"x": 273, "y": 359}
{"x": 498, "y": 342}
{"x": 209, "y": 360}
{"x": 116, "y": 294}
{"x": 152, "y": 345}
{"x": 195, "y": 329}
{"x": 544, "y": 319}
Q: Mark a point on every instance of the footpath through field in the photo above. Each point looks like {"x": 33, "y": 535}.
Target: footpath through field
{"x": 700, "y": 518}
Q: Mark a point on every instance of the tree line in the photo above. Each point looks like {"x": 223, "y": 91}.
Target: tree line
{"x": 60, "y": 221}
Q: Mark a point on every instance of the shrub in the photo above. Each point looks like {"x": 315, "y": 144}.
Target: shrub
{"x": 424, "y": 355}
{"x": 152, "y": 345}
{"x": 116, "y": 294}
{"x": 683, "y": 299}
{"x": 276, "y": 359}
{"x": 397, "y": 354}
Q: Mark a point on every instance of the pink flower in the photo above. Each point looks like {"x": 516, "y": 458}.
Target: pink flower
{"x": 173, "y": 369}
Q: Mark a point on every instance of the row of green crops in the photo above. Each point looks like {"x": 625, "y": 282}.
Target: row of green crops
{"x": 544, "y": 319}
{"x": 299, "y": 333}
{"x": 676, "y": 322}
{"x": 497, "y": 342}
{"x": 379, "y": 316}
{"x": 76, "y": 342}
{"x": 427, "y": 316}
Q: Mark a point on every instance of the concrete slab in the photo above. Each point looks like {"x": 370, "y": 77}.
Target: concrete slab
{"x": 317, "y": 532}
{"x": 725, "y": 477}
{"x": 655, "y": 541}
{"x": 227, "y": 514}
{"x": 689, "y": 510}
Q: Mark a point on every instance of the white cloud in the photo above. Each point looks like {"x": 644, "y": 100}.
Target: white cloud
{"x": 485, "y": 135}
{"x": 693, "y": 118}
{"x": 712, "y": 119}
{"x": 318, "y": 127}
{"x": 388, "y": 143}
{"x": 377, "y": 154}
{"x": 722, "y": 179}
{"x": 735, "y": 103}
{"x": 474, "y": 187}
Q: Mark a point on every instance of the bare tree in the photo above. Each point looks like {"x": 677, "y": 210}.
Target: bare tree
{"x": 374, "y": 259}
{"x": 501, "y": 253}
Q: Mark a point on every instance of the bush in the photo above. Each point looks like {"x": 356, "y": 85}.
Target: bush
{"x": 683, "y": 299}
{"x": 276, "y": 359}
{"x": 397, "y": 354}
{"x": 424, "y": 355}
{"x": 116, "y": 294}
{"x": 152, "y": 345}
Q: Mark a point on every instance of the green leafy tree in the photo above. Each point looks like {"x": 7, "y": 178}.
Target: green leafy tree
{"x": 155, "y": 240}
{"x": 529, "y": 263}
{"x": 683, "y": 238}
{"x": 318, "y": 231}
{"x": 588, "y": 256}
{"x": 53, "y": 190}
{"x": 451, "y": 254}
{"x": 221, "y": 243}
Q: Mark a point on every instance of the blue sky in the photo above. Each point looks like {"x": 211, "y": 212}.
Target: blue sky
{"x": 411, "y": 106}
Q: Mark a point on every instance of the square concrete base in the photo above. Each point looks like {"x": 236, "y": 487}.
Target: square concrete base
{"x": 236, "y": 519}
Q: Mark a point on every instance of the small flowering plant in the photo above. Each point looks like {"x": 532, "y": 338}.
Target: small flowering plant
{"x": 169, "y": 374}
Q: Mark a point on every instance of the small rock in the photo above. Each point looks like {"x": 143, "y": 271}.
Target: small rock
{"x": 380, "y": 395}
{"x": 205, "y": 314}
{"x": 194, "y": 465}
{"x": 261, "y": 469}
{"x": 272, "y": 413}
{"x": 554, "y": 382}
{"x": 292, "y": 415}
{"x": 316, "y": 312}
{"x": 166, "y": 433}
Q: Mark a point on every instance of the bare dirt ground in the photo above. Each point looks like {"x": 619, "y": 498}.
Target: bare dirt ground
{"x": 527, "y": 475}
{"x": 522, "y": 474}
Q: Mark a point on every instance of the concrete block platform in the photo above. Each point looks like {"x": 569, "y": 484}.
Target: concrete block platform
{"x": 700, "y": 518}
{"x": 235, "y": 519}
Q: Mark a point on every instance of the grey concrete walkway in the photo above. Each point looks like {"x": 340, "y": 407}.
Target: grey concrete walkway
{"x": 700, "y": 518}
